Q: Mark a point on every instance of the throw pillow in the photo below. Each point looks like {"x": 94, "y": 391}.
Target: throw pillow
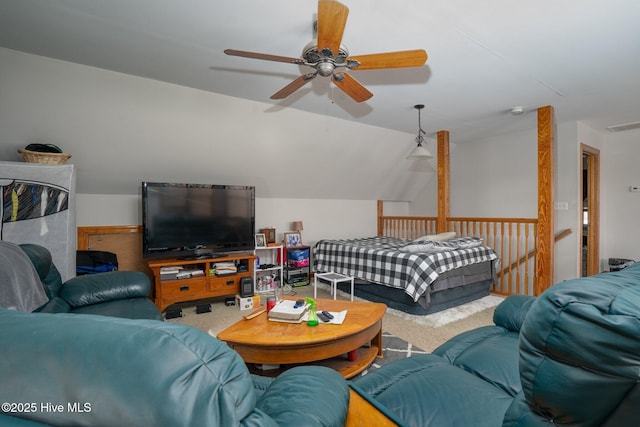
{"x": 438, "y": 237}
{"x": 442, "y": 246}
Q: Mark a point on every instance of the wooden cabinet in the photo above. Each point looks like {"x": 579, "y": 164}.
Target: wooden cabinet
{"x": 210, "y": 283}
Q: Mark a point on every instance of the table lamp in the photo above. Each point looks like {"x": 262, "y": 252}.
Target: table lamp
{"x": 297, "y": 227}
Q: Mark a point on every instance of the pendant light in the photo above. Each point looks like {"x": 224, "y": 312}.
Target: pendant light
{"x": 419, "y": 152}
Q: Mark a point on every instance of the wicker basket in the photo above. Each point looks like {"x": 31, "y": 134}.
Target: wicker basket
{"x": 46, "y": 158}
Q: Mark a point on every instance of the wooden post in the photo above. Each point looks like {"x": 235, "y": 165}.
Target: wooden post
{"x": 380, "y": 222}
{"x": 444, "y": 210}
{"x": 546, "y": 200}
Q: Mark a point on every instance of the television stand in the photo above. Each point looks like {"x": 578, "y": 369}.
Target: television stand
{"x": 203, "y": 256}
{"x": 203, "y": 282}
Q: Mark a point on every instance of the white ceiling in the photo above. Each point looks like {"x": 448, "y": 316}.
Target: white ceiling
{"x": 582, "y": 57}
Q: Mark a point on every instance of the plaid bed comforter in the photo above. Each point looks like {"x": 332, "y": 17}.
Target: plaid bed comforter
{"x": 380, "y": 260}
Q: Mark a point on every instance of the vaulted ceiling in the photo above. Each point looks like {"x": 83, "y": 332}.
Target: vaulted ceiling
{"x": 485, "y": 57}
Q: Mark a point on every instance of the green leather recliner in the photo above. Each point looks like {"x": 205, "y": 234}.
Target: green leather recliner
{"x": 118, "y": 293}
{"x": 74, "y": 369}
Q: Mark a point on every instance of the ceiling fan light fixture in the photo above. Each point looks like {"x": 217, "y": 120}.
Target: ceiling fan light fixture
{"x": 419, "y": 152}
{"x": 325, "y": 68}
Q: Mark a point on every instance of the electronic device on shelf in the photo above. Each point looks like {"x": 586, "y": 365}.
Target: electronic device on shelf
{"x": 617, "y": 264}
{"x": 196, "y": 220}
{"x": 246, "y": 287}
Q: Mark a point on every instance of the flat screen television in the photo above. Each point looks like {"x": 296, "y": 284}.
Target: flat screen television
{"x": 196, "y": 220}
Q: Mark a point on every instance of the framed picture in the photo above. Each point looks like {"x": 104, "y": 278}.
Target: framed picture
{"x": 261, "y": 240}
{"x": 270, "y": 233}
{"x": 292, "y": 239}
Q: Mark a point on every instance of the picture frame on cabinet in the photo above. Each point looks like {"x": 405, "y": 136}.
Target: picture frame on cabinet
{"x": 270, "y": 233}
{"x": 292, "y": 239}
{"x": 261, "y": 240}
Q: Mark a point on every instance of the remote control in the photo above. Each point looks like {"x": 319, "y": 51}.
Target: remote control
{"x": 329, "y": 315}
{"x": 324, "y": 318}
{"x": 299, "y": 303}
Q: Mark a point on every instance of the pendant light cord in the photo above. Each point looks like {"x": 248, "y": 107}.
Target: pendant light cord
{"x": 419, "y": 138}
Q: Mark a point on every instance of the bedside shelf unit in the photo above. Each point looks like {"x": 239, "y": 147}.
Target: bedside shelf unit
{"x": 268, "y": 255}
{"x": 171, "y": 291}
{"x": 297, "y": 271}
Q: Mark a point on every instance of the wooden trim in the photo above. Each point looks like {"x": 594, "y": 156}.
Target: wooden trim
{"x": 380, "y": 220}
{"x": 593, "y": 206}
{"x": 85, "y": 232}
{"x": 363, "y": 414}
{"x": 123, "y": 240}
{"x": 546, "y": 200}
{"x": 491, "y": 219}
{"x": 444, "y": 178}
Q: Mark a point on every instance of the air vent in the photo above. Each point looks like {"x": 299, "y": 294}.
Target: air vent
{"x": 624, "y": 126}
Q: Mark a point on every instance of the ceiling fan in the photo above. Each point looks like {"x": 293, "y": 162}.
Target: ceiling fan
{"x": 329, "y": 58}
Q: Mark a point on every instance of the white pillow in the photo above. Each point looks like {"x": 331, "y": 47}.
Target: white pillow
{"x": 428, "y": 246}
{"x": 438, "y": 246}
{"x": 437, "y": 237}
{"x": 468, "y": 242}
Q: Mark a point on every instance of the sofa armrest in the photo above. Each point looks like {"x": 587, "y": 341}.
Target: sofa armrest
{"x": 55, "y": 305}
{"x": 132, "y": 372}
{"x": 102, "y": 287}
{"x": 511, "y": 312}
{"x": 307, "y": 395}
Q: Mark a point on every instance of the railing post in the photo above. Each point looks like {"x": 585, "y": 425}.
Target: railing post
{"x": 546, "y": 179}
{"x": 380, "y": 218}
{"x": 443, "y": 181}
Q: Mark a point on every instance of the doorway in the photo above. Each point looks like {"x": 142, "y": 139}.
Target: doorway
{"x": 590, "y": 212}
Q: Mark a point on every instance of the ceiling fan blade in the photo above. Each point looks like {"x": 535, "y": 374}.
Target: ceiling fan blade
{"x": 401, "y": 59}
{"x": 352, "y": 87}
{"x": 264, "y": 56}
{"x": 293, "y": 86}
{"x": 332, "y": 18}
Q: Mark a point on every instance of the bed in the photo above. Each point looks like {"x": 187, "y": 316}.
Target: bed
{"x": 416, "y": 276}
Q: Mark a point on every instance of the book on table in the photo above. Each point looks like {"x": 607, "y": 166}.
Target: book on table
{"x": 287, "y": 311}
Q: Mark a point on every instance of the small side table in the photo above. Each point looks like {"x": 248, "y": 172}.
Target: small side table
{"x": 334, "y": 278}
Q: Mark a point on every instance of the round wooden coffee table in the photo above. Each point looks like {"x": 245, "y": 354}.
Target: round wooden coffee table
{"x": 260, "y": 341}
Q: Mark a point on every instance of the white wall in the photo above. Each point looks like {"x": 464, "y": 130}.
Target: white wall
{"x": 567, "y": 180}
{"x": 484, "y": 183}
{"x": 498, "y": 177}
{"x": 322, "y": 219}
{"x": 620, "y": 208}
{"x": 124, "y": 129}
{"x": 108, "y": 118}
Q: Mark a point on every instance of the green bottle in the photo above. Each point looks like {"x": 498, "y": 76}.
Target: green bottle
{"x": 312, "y": 319}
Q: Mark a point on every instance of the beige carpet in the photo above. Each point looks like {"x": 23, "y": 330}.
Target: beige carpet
{"x": 426, "y": 332}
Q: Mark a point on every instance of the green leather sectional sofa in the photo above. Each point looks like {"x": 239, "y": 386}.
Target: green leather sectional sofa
{"x": 98, "y": 354}
{"x": 570, "y": 357}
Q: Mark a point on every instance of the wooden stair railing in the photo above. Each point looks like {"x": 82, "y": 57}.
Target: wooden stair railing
{"x": 559, "y": 236}
{"x": 513, "y": 239}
